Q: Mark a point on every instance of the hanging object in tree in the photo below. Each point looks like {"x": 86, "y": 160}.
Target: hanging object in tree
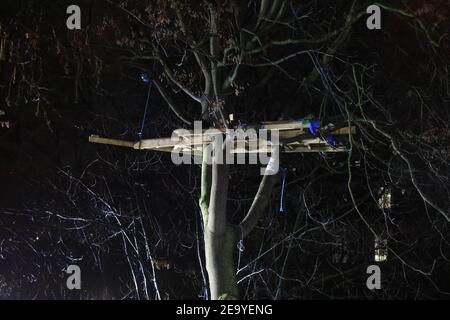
{"x": 243, "y": 126}
{"x": 145, "y": 77}
{"x": 313, "y": 126}
{"x": 381, "y": 249}
{"x": 332, "y": 141}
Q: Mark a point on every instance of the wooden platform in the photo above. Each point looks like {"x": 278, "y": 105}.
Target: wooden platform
{"x": 294, "y": 136}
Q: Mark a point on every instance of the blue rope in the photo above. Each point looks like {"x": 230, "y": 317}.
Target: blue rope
{"x": 326, "y": 79}
{"x": 282, "y": 190}
{"x": 329, "y": 84}
{"x": 145, "y": 78}
{"x": 295, "y": 10}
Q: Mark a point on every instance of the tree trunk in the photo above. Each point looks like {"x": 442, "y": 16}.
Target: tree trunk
{"x": 220, "y": 264}
{"x": 219, "y": 236}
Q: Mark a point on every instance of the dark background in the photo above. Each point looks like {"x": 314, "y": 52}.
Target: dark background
{"x": 64, "y": 201}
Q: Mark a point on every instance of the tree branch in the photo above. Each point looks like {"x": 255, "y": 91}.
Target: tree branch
{"x": 170, "y": 102}
{"x": 259, "y": 204}
{"x": 172, "y": 78}
{"x": 193, "y": 44}
{"x": 214, "y": 50}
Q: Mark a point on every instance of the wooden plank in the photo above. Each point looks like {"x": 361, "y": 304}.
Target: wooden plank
{"x": 282, "y": 125}
{"x": 294, "y": 137}
{"x": 168, "y": 145}
{"x": 313, "y": 149}
{"x": 157, "y": 143}
{"x": 112, "y": 142}
{"x": 292, "y": 134}
{"x": 312, "y": 141}
{"x": 344, "y": 131}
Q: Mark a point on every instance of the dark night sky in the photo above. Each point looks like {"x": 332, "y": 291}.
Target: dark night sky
{"x": 64, "y": 201}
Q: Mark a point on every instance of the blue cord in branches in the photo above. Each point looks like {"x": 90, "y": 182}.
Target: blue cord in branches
{"x": 283, "y": 184}
{"x": 331, "y": 140}
{"x": 294, "y": 9}
{"x": 313, "y": 126}
{"x": 145, "y": 77}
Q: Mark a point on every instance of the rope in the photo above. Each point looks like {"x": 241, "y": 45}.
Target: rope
{"x": 327, "y": 81}
{"x": 329, "y": 84}
{"x": 295, "y": 10}
{"x": 145, "y": 78}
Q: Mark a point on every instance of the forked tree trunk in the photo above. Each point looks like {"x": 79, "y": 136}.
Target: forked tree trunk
{"x": 220, "y": 237}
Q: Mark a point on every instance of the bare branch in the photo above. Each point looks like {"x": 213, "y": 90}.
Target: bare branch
{"x": 260, "y": 203}
{"x": 170, "y": 102}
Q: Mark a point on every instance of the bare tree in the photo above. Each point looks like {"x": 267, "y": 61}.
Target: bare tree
{"x": 267, "y": 60}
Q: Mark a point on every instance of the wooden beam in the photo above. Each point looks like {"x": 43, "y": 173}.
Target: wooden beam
{"x": 293, "y": 137}
{"x": 112, "y": 142}
{"x": 156, "y": 143}
{"x": 282, "y": 125}
{"x": 344, "y": 131}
